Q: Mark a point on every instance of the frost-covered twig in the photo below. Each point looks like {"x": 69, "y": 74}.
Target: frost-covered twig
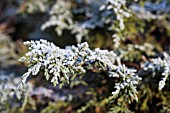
{"x": 159, "y": 65}
{"x": 165, "y": 64}
{"x": 61, "y": 17}
{"x": 10, "y": 98}
{"x": 60, "y": 64}
{"x": 120, "y": 9}
{"x": 36, "y": 5}
{"x": 129, "y": 82}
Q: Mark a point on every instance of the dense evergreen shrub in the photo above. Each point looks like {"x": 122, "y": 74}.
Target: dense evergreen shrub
{"x": 121, "y": 63}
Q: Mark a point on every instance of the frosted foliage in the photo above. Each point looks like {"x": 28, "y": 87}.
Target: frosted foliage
{"x": 128, "y": 54}
{"x": 7, "y": 50}
{"x": 10, "y": 97}
{"x": 37, "y": 5}
{"x": 116, "y": 40}
{"x": 165, "y": 64}
{"x": 159, "y": 65}
{"x": 152, "y": 10}
{"x": 60, "y": 64}
{"x": 130, "y": 80}
{"x": 61, "y": 18}
{"x": 120, "y": 9}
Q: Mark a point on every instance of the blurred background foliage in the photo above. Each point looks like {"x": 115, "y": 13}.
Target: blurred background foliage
{"x": 136, "y": 36}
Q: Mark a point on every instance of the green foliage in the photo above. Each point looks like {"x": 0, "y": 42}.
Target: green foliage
{"x": 55, "y": 107}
